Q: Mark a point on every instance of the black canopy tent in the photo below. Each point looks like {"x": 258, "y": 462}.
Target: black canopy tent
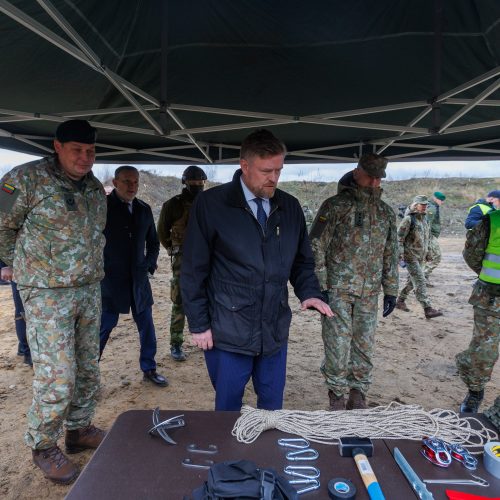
{"x": 177, "y": 81}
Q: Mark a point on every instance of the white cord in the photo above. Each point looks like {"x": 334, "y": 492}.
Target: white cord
{"x": 394, "y": 421}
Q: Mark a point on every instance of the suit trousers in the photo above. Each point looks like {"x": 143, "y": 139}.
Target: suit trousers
{"x": 229, "y": 373}
{"x": 147, "y": 334}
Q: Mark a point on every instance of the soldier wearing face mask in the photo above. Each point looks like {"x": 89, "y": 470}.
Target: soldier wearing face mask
{"x": 171, "y": 229}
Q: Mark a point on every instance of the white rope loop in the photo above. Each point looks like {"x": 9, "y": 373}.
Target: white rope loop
{"x": 394, "y": 421}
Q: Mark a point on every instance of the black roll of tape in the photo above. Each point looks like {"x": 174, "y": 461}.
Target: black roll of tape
{"x": 341, "y": 489}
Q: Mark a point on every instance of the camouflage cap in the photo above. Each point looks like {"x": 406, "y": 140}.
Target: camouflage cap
{"x": 374, "y": 165}
{"x": 421, "y": 199}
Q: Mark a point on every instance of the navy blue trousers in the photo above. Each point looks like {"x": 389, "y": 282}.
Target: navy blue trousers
{"x": 229, "y": 373}
{"x": 22, "y": 346}
{"x": 147, "y": 335}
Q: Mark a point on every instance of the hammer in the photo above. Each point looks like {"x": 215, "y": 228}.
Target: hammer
{"x": 360, "y": 449}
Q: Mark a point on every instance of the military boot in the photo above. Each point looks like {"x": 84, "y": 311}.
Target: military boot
{"x": 356, "y": 401}
{"x": 89, "y": 437}
{"x": 177, "y": 353}
{"x": 337, "y": 403}
{"x": 472, "y": 402}
{"x": 430, "y": 312}
{"x": 55, "y": 465}
{"x": 401, "y": 304}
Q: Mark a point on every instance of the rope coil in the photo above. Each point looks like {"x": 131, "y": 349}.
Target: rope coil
{"x": 394, "y": 421}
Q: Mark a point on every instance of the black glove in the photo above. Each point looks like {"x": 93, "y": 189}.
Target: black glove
{"x": 389, "y": 305}
{"x": 326, "y": 300}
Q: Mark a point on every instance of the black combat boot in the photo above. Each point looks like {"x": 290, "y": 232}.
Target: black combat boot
{"x": 472, "y": 402}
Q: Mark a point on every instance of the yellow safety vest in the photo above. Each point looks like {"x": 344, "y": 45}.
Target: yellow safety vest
{"x": 490, "y": 272}
{"x": 484, "y": 208}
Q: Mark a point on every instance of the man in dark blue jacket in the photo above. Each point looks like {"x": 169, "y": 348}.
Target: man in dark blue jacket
{"x": 245, "y": 240}
{"x": 481, "y": 207}
{"x": 131, "y": 251}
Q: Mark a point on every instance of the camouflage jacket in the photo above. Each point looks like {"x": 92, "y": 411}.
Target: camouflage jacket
{"x": 484, "y": 295}
{"x": 50, "y": 230}
{"x": 413, "y": 237}
{"x": 353, "y": 238}
{"x": 434, "y": 218}
{"x": 173, "y": 221}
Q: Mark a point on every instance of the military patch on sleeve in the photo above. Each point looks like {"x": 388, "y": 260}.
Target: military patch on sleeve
{"x": 8, "y": 196}
{"x": 318, "y": 227}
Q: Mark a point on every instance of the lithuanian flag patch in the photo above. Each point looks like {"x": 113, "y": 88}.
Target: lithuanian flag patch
{"x": 8, "y": 188}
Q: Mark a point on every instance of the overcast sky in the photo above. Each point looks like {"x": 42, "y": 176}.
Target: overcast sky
{"x": 317, "y": 172}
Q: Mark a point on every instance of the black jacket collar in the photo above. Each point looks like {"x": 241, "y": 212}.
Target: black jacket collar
{"x": 237, "y": 198}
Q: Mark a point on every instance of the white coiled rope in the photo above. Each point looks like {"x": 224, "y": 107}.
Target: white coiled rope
{"x": 394, "y": 421}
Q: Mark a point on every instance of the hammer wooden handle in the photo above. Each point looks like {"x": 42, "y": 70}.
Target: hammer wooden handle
{"x": 368, "y": 476}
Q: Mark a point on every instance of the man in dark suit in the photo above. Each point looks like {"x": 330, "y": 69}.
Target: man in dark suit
{"x": 131, "y": 252}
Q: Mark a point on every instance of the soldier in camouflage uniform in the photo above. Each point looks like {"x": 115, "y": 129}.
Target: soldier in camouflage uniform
{"x": 493, "y": 413}
{"x": 475, "y": 364}
{"x": 52, "y": 214}
{"x": 433, "y": 257}
{"x": 308, "y": 216}
{"x": 413, "y": 240}
{"x": 355, "y": 248}
{"x": 172, "y": 225}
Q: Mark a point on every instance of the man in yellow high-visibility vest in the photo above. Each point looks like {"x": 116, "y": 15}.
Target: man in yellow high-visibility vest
{"x": 475, "y": 364}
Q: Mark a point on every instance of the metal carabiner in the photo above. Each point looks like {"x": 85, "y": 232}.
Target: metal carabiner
{"x": 315, "y": 486}
{"x": 304, "y": 471}
{"x": 299, "y": 443}
{"x": 306, "y": 454}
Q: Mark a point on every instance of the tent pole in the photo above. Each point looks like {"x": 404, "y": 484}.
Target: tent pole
{"x": 438, "y": 59}
{"x": 163, "y": 67}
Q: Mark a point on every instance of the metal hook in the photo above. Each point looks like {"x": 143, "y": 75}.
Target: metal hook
{"x": 193, "y": 448}
{"x": 206, "y": 464}
{"x": 307, "y": 454}
{"x": 309, "y": 488}
{"x": 299, "y": 443}
{"x": 477, "y": 481}
{"x": 302, "y": 471}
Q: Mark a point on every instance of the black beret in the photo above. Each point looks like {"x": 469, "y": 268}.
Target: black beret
{"x": 77, "y": 131}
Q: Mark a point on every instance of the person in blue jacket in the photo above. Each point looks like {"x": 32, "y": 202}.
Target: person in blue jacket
{"x": 23, "y": 349}
{"x": 245, "y": 240}
{"x": 481, "y": 207}
{"x": 130, "y": 253}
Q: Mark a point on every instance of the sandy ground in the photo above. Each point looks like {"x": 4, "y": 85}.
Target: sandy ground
{"x": 414, "y": 363}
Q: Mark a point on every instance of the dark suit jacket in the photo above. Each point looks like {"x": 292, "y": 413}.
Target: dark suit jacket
{"x": 131, "y": 251}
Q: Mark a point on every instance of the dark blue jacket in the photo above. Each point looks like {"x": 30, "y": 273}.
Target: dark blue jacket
{"x": 476, "y": 214}
{"x": 131, "y": 251}
{"x": 234, "y": 278}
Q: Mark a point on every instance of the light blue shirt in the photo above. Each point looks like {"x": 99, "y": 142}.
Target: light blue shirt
{"x": 249, "y": 196}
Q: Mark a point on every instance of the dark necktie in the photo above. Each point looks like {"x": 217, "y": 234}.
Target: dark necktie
{"x": 261, "y": 213}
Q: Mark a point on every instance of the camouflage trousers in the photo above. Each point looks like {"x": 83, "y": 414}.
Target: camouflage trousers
{"x": 493, "y": 413}
{"x": 476, "y": 363}
{"x": 63, "y": 334}
{"x": 177, "y": 318}
{"x": 415, "y": 280}
{"x": 433, "y": 257}
{"x": 348, "y": 339}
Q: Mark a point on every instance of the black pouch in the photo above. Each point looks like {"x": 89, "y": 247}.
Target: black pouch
{"x": 242, "y": 479}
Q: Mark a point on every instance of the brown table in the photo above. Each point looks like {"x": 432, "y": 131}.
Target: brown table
{"x": 130, "y": 464}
